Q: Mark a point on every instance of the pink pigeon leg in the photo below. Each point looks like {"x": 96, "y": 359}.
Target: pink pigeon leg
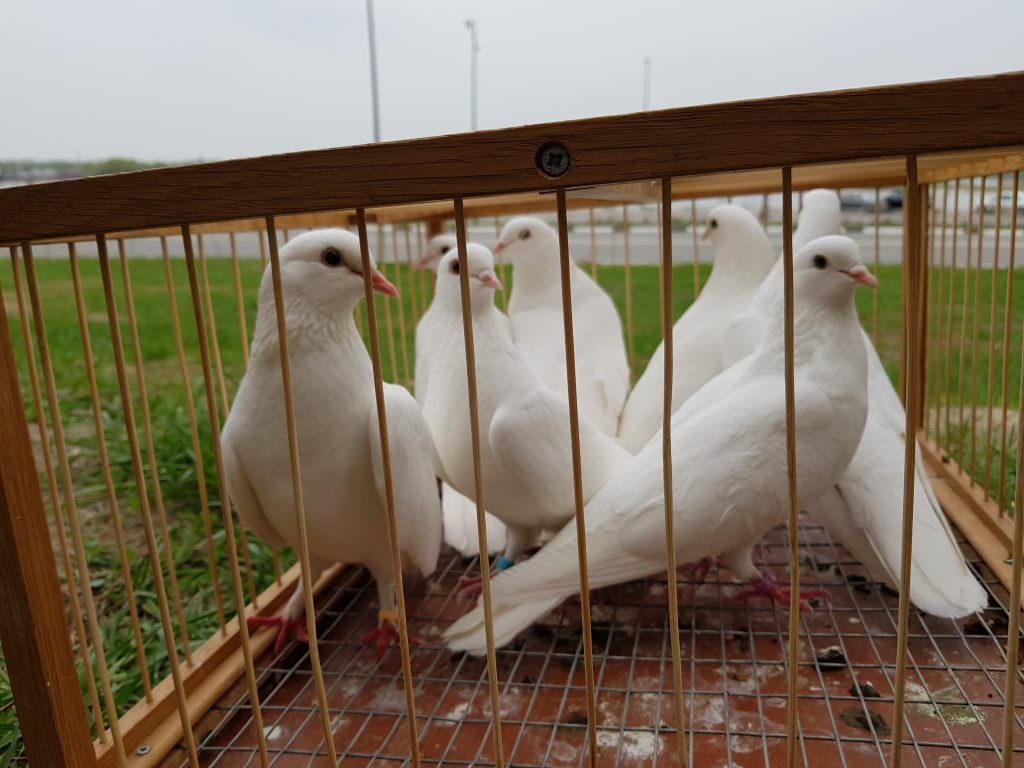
{"x": 767, "y": 586}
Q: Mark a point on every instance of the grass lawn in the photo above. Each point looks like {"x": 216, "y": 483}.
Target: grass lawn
{"x": 166, "y": 396}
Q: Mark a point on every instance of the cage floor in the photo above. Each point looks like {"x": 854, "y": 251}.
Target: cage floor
{"x": 734, "y": 679}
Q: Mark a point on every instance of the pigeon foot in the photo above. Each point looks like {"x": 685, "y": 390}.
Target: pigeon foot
{"x": 471, "y": 587}
{"x": 385, "y": 633}
{"x": 767, "y": 586}
{"x": 287, "y": 627}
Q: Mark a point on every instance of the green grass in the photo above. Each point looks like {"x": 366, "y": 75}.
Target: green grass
{"x": 166, "y": 396}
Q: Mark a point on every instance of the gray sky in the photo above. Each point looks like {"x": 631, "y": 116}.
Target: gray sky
{"x": 230, "y": 78}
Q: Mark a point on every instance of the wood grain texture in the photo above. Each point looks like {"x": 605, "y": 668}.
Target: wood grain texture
{"x": 939, "y": 116}
{"x": 33, "y": 625}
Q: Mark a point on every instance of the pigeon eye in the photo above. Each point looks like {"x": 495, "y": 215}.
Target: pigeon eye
{"x": 524, "y": 235}
{"x": 714, "y": 223}
{"x": 445, "y": 249}
{"x": 820, "y": 262}
{"x": 454, "y": 268}
{"x": 331, "y": 257}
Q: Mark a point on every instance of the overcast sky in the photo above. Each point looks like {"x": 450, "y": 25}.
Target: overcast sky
{"x": 230, "y": 78}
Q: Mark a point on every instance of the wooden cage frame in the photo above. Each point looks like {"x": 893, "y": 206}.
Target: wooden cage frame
{"x": 949, "y": 129}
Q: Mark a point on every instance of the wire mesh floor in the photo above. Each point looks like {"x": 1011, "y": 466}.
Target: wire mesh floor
{"x": 734, "y": 679}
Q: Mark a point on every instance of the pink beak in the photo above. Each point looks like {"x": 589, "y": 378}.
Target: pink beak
{"x": 706, "y": 233}
{"x": 489, "y": 279}
{"x": 421, "y": 264}
{"x": 859, "y": 274}
{"x": 381, "y": 285}
{"x": 500, "y": 246}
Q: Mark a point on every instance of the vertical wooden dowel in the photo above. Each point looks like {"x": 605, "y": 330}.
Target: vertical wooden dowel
{"x": 1017, "y": 560}
{"x": 502, "y": 266}
{"x": 593, "y": 243}
{"x": 243, "y": 327}
{"x": 793, "y": 735}
{"x": 397, "y": 274}
{"x": 949, "y": 309}
{"x": 968, "y": 275}
{"x": 389, "y": 496}
{"x": 628, "y": 289}
{"x": 696, "y": 248}
{"x": 666, "y": 472}
{"x": 878, "y": 249}
{"x": 915, "y": 317}
{"x": 478, "y": 483}
{"x": 991, "y": 379}
{"x": 410, "y": 282}
{"x": 1007, "y": 318}
{"x": 577, "y": 473}
{"x": 975, "y": 332}
{"x": 392, "y": 358}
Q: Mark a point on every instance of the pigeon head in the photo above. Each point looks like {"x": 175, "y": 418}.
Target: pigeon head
{"x": 438, "y": 246}
{"x": 323, "y": 269}
{"x": 524, "y": 239}
{"x": 739, "y": 242}
{"x": 482, "y": 280}
{"x": 829, "y": 269}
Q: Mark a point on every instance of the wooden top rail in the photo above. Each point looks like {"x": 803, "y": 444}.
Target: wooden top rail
{"x": 891, "y": 121}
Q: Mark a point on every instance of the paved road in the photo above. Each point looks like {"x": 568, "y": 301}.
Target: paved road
{"x": 643, "y": 243}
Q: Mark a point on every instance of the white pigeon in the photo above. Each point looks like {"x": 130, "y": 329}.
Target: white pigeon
{"x": 437, "y": 247}
{"x": 819, "y": 216}
{"x": 459, "y": 512}
{"x": 525, "y": 448}
{"x": 729, "y": 460}
{"x": 336, "y": 425}
{"x": 742, "y": 257}
{"x": 863, "y": 511}
{"x": 535, "y": 311}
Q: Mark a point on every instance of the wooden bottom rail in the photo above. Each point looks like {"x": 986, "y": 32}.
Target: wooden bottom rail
{"x": 216, "y": 666}
{"x": 978, "y": 518}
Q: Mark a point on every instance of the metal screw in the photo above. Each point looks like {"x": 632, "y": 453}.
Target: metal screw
{"x": 143, "y": 749}
{"x": 553, "y": 159}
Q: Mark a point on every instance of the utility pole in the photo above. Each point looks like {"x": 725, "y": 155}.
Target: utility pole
{"x": 373, "y": 70}
{"x": 474, "y": 47}
{"x": 647, "y": 83}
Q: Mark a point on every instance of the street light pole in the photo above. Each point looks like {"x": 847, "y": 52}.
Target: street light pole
{"x": 647, "y": 83}
{"x": 373, "y": 70}
{"x": 473, "y": 49}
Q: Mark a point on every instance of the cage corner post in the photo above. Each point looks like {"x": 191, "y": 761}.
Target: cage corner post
{"x": 33, "y": 627}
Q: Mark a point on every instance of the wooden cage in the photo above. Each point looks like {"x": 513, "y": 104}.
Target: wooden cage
{"x": 220, "y": 701}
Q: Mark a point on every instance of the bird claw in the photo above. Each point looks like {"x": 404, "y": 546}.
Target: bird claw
{"x": 286, "y": 628}
{"x": 383, "y": 635}
{"x": 767, "y": 586}
{"x": 470, "y": 587}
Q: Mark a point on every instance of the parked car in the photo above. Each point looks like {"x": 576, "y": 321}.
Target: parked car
{"x": 894, "y": 200}
{"x": 1007, "y": 203}
{"x": 856, "y": 201}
